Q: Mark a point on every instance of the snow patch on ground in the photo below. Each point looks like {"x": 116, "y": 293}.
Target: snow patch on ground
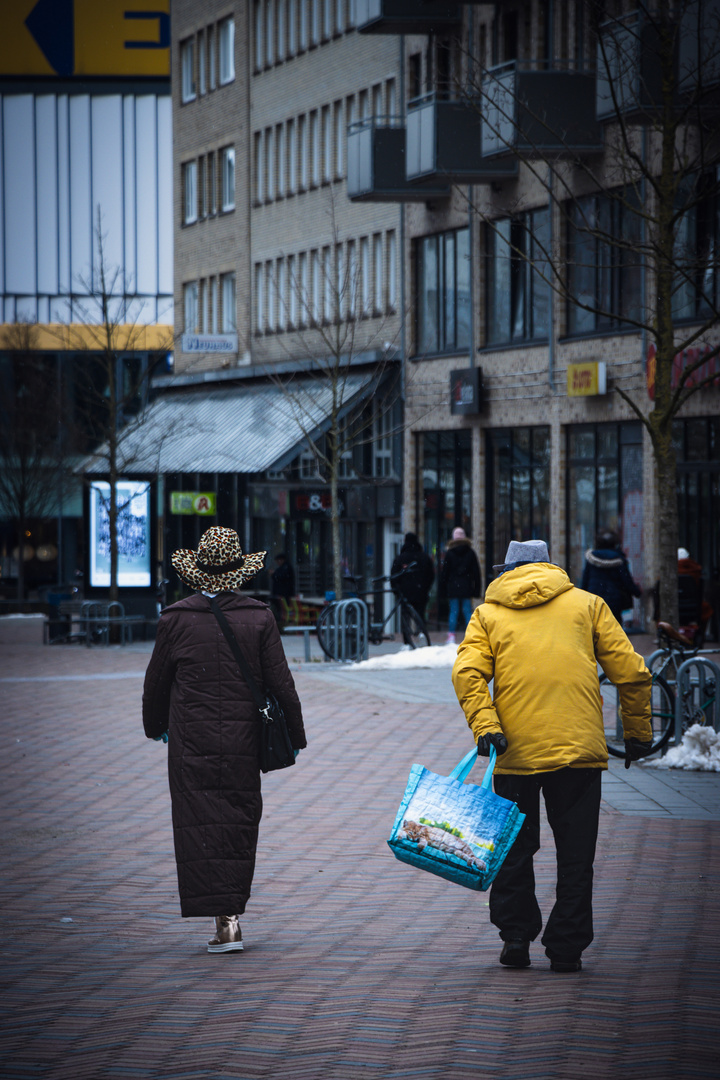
{"x": 699, "y": 750}
{"x": 431, "y": 656}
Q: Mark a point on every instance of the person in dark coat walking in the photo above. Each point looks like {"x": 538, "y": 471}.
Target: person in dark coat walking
{"x": 196, "y": 699}
{"x": 282, "y": 587}
{"x": 415, "y": 573}
{"x": 461, "y": 579}
{"x": 607, "y": 574}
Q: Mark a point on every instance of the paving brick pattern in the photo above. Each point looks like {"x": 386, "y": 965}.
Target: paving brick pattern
{"x": 356, "y": 966}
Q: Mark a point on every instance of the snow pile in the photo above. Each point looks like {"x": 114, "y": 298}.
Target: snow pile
{"x": 699, "y": 750}
{"x": 431, "y": 656}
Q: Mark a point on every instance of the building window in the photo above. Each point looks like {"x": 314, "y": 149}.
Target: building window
{"x": 308, "y": 466}
{"x": 382, "y": 438}
{"x": 327, "y": 284}
{"x": 304, "y": 292}
{"x": 204, "y": 300}
{"x": 339, "y": 138}
{"x": 327, "y": 145}
{"x": 446, "y": 487}
{"x": 391, "y": 270}
{"x": 259, "y": 168}
{"x": 187, "y": 69}
{"x": 315, "y": 148}
{"x": 212, "y": 183}
{"x": 212, "y": 66}
{"x": 352, "y": 282}
{"x": 291, "y": 157}
{"x": 365, "y": 275}
{"x": 229, "y": 320}
{"x": 443, "y": 292}
{"x": 292, "y": 292}
{"x": 339, "y": 16}
{"x": 259, "y": 35}
{"x": 228, "y": 178}
{"x": 390, "y": 98}
{"x": 340, "y": 290}
{"x": 314, "y": 22}
{"x": 202, "y": 85}
{"x": 604, "y": 277}
{"x": 292, "y": 27}
{"x": 269, "y": 34}
{"x": 270, "y": 294}
{"x": 190, "y": 307}
{"x": 201, "y": 194}
{"x": 517, "y": 295}
{"x": 215, "y": 321}
{"x": 259, "y": 299}
{"x": 189, "y": 192}
{"x": 280, "y": 18}
{"x": 315, "y": 288}
{"x": 269, "y": 165}
{"x": 303, "y": 35}
{"x": 303, "y": 140}
{"x": 280, "y": 160}
{"x": 281, "y": 293}
{"x": 377, "y": 273}
{"x": 377, "y": 100}
{"x": 604, "y": 490}
{"x": 697, "y": 285}
{"x": 226, "y": 33}
{"x": 517, "y": 487}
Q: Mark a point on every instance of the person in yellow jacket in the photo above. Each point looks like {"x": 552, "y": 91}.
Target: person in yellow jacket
{"x": 540, "y": 639}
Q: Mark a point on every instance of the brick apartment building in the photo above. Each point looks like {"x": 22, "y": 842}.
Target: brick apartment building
{"x": 324, "y": 141}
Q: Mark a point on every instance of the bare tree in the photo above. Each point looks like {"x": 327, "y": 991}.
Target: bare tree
{"x": 634, "y": 201}
{"x": 33, "y": 464}
{"x": 105, "y": 330}
{"x": 325, "y": 308}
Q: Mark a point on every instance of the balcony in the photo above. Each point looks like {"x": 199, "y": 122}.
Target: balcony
{"x": 629, "y": 68}
{"x": 444, "y": 143}
{"x": 538, "y": 113}
{"x": 376, "y": 164}
{"x": 406, "y": 17}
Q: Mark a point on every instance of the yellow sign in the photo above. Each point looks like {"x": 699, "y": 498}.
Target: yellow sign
{"x": 586, "y": 380}
{"x": 70, "y": 38}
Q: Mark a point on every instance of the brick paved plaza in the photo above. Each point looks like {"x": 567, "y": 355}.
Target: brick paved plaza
{"x": 355, "y": 966}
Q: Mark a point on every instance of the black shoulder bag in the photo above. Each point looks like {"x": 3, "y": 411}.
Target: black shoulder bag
{"x": 276, "y": 750}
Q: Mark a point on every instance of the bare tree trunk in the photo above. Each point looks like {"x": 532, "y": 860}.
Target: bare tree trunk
{"x": 668, "y": 527}
{"x": 21, "y": 560}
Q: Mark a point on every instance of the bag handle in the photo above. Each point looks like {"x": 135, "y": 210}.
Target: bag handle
{"x": 260, "y": 701}
{"x": 463, "y": 768}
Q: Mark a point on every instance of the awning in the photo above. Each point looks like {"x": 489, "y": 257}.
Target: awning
{"x": 230, "y": 430}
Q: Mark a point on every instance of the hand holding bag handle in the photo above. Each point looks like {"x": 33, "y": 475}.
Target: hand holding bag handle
{"x": 463, "y": 768}
{"x": 276, "y": 751}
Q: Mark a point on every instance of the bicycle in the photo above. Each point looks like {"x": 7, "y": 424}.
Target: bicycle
{"x": 698, "y": 695}
{"x": 412, "y": 626}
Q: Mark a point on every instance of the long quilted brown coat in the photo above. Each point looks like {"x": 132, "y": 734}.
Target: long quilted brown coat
{"x": 194, "y": 690}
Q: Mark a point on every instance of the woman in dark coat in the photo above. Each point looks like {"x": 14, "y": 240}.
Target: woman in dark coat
{"x": 607, "y": 574}
{"x": 412, "y": 573}
{"x": 461, "y": 579}
{"x": 196, "y": 699}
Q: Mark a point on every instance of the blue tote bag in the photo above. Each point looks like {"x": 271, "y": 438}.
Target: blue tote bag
{"x": 458, "y": 831}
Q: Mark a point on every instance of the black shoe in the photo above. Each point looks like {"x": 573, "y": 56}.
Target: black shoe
{"x": 565, "y": 966}
{"x": 515, "y": 954}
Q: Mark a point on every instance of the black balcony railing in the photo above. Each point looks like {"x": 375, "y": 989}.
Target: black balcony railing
{"x": 536, "y": 108}
{"x": 376, "y": 156}
{"x": 406, "y": 16}
{"x": 444, "y": 142}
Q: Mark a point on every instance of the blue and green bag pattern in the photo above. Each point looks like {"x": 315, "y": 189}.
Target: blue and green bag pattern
{"x": 458, "y": 831}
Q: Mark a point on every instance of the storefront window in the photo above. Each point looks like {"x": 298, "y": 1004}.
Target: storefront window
{"x": 697, "y": 445}
{"x": 518, "y": 489}
{"x": 604, "y": 491}
{"x": 446, "y": 487}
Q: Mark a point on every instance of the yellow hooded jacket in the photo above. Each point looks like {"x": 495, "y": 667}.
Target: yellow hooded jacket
{"x": 539, "y": 637}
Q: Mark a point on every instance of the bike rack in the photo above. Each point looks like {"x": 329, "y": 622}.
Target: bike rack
{"x": 349, "y": 647}
{"x": 706, "y": 670}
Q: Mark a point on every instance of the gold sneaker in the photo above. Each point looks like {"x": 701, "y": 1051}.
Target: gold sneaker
{"x": 228, "y": 936}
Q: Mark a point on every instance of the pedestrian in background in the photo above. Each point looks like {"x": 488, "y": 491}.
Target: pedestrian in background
{"x": 282, "y": 587}
{"x": 540, "y": 639}
{"x": 607, "y": 574}
{"x": 460, "y": 579}
{"x": 414, "y": 573}
{"x": 196, "y": 699}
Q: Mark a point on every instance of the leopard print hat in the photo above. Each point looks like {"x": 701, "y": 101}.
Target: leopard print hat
{"x": 218, "y": 565}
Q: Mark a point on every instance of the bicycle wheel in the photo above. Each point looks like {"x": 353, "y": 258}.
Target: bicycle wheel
{"x": 326, "y": 633}
{"x": 662, "y": 715}
{"x": 413, "y": 628}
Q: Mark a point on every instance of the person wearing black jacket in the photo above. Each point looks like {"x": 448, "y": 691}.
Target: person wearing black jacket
{"x": 461, "y": 579}
{"x": 414, "y": 583}
{"x": 607, "y": 574}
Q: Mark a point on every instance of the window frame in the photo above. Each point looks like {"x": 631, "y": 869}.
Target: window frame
{"x": 447, "y": 306}
{"x": 190, "y": 292}
{"x": 526, "y": 293}
{"x": 226, "y": 43}
{"x": 190, "y": 192}
{"x": 188, "y": 87}
{"x": 227, "y": 158}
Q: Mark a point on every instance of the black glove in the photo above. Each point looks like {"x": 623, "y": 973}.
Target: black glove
{"x": 635, "y": 749}
{"x": 496, "y": 739}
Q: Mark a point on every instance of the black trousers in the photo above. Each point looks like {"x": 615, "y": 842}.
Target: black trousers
{"x": 572, "y": 802}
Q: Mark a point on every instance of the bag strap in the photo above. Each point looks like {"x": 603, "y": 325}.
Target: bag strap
{"x": 242, "y": 663}
{"x": 463, "y": 768}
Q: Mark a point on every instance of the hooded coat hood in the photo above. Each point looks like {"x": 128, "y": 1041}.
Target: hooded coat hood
{"x": 528, "y": 586}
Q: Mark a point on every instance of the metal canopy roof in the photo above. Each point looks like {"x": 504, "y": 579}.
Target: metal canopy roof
{"x": 241, "y": 429}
